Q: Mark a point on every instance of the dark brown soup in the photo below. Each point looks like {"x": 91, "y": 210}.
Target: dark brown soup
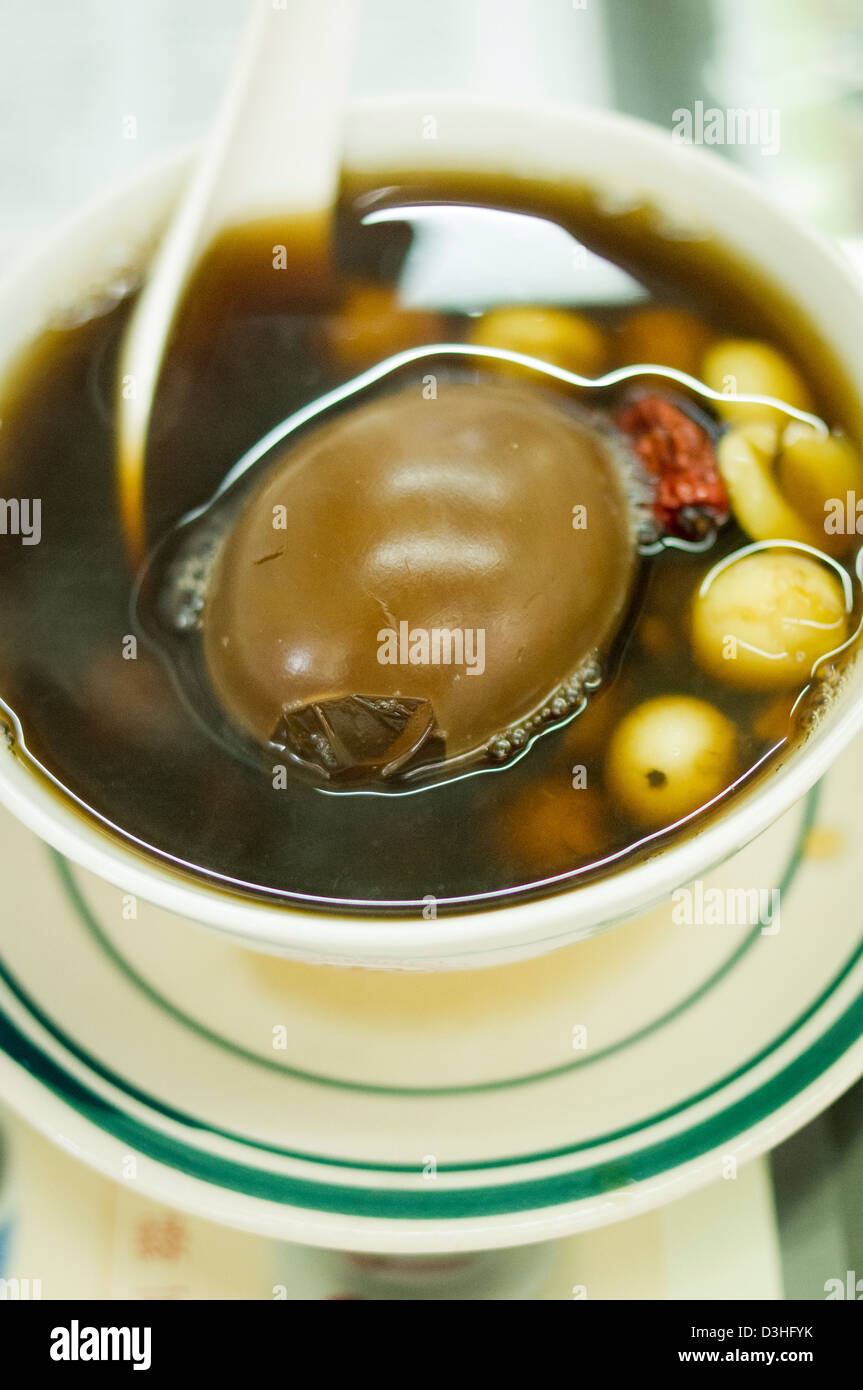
{"x": 602, "y": 720}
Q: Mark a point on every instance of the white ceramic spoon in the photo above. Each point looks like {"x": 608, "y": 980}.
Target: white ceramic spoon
{"x": 275, "y": 148}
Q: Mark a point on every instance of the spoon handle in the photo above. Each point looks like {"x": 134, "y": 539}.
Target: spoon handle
{"x": 275, "y": 147}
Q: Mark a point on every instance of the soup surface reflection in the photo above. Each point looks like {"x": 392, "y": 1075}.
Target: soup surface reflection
{"x": 467, "y": 628}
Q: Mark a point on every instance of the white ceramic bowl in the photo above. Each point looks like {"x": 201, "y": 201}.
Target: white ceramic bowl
{"x": 562, "y": 145}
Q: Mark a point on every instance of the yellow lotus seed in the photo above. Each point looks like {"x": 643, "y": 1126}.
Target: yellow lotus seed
{"x": 817, "y": 472}
{"x": 764, "y": 621}
{"x": 745, "y": 366}
{"x": 557, "y": 336}
{"x": 668, "y": 757}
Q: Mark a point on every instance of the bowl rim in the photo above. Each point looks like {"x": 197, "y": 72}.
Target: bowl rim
{"x": 460, "y": 940}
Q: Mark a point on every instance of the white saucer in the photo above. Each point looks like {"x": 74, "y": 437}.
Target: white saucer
{"x": 408, "y": 1112}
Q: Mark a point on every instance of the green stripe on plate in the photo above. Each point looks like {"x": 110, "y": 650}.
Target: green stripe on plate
{"x": 87, "y": 917}
{"x": 215, "y": 1168}
{"x": 430, "y": 1202}
{"x": 192, "y": 1122}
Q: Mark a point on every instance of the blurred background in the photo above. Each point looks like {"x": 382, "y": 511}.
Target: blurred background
{"x": 91, "y": 92}
{"x": 72, "y": 75}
